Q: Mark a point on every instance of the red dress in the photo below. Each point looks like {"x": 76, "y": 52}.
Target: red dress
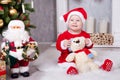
{"x": 68, "y": 36}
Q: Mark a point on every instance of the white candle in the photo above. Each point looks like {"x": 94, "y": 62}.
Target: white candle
{"x": 103, "y": 27}
{"x": 32, "y": 4}
{"x": 90, "y": 26}
{"x": 23, "y": 8}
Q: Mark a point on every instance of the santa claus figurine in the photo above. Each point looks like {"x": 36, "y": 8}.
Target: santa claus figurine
{"x": 15, "y": 38}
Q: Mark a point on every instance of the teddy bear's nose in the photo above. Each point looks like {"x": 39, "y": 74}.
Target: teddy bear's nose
{"x": 77, "y": 41}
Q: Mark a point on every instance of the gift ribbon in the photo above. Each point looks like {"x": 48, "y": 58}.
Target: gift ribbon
{"x": 2, "y": 72}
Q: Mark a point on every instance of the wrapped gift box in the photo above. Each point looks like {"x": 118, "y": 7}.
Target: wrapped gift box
{"x": 2, "y": 70}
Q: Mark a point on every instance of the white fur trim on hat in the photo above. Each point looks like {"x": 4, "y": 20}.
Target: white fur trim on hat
{"x": 16, "y": 23}
{"x": 76, "y": 13}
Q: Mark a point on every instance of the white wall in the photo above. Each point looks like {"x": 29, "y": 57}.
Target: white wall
{"x": 116, "y": 21}
{"x": 61, "y": 8}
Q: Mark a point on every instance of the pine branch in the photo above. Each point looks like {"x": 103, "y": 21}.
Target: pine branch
{"x": 28, "y": 7}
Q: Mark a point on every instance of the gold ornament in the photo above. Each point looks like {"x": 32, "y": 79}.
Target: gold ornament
{"x": 1, "y": 23}
{"x": 12, "y": 11}
{"x": 4, "y": 1}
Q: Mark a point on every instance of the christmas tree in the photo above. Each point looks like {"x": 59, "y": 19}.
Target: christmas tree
{"x": 15, "y": 9}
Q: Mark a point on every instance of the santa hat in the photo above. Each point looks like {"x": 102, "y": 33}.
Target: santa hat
{"x": 16, "y": 23}
{"x": 77, "y": 11}
{"x": 31, "y": 40}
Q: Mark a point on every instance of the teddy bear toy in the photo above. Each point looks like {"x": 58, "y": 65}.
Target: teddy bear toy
{"x": 83, "y": 57}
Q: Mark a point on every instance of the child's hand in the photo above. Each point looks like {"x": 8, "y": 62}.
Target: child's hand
{"x": 67, "y": 43}
{"x": 87, "y": 41}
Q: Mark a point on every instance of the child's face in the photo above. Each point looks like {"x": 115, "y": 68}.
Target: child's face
{"x": 75, "y": 23}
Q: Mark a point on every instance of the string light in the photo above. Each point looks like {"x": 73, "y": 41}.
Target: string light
{"x": 32, "y": 4}
{"x": 23, "y": 8}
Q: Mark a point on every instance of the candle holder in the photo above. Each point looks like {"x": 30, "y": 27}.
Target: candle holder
{"x": 90, "y": 25}
{"x": 103, "y": 26}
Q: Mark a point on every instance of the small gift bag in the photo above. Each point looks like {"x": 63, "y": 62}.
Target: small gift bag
{"x": 2, "y": 70}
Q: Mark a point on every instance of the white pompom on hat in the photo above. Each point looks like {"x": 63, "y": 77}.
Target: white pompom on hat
{"x": 16, "y": 23}
{"x": 77, "y": 11}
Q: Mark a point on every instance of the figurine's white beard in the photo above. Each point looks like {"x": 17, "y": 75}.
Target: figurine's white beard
{"x": 16, "y": 35}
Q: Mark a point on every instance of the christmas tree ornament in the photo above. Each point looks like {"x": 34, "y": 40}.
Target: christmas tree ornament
{"x": 7, "y": 20}
{"x": 1, "y": 10}
{"x": 23, "y": 16}
{"x": 19, "y": 1}
{"x": 27, "y": 23}
{"x": 1, "y": 23}
{"x": 12, "y": 11}
{"x": 5, "y": 1}
{"x": 1, "y": 7}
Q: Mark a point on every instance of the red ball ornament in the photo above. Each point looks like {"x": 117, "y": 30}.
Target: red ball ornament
{"x": 27, "y": 23}
{"x": 1, "y": 8}
{"x": 1, "y": 23}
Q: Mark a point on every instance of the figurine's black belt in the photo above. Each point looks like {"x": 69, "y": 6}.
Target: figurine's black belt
{"x": 20, "y": 47}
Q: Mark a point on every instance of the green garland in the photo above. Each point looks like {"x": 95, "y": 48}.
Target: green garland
{"x": 26, "y": 57}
